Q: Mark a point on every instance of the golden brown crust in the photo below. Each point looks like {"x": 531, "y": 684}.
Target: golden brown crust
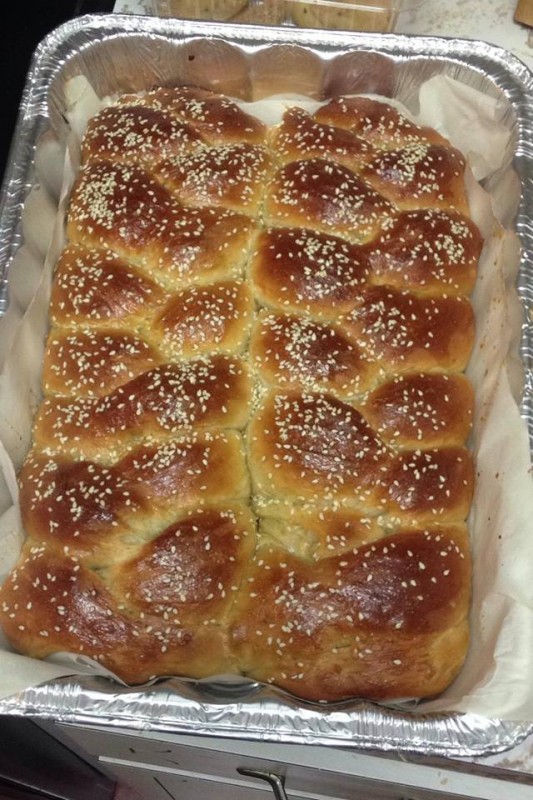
{"x": 307, "y": 272}
{"x": 377, "y": 122}
{"x": 422, "y": 410}
{"x": 289, "y": 351}
{"x": 97, "y": 507}
{"x": 215, "y": 117}
{"x": 299, "y": 136}
{"x": 419, "y": 176}
{"x": 136, "y": 134}
{"x": 200, "y": 394}
{"x": 93, "y": 363}
{"x": 250, "y": 457}
{"x": 125, "y": 209}
{"x": 427, "y": 250}
{"x": 230, "y": 176}
{"x": 78, "y": 613}
{"x": 214, "y": 317}
{"x": 95, "y": 287}
{"x": 202, "y": 555}
{"x": 335, "y": 198}
{"x": 301, "y": 444}
{"x": 426, "y": 486}
{"x": 369, "y": 617}
{"x": 406, "y": 332}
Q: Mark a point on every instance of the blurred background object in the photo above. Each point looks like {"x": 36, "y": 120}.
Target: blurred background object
{"x": 33, "y": 764}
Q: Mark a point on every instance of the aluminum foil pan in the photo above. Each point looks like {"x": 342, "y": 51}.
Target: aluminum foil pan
{"x": 129, "y": 53}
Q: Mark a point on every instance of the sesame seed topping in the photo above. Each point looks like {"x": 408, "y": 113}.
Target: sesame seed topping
{"x": 250, "y": 455}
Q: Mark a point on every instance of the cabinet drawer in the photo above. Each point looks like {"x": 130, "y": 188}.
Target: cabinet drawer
{"x": 308, "y": 771}
{"x": 153, "y": 784}
{"x": 162, "y": 784}
{"x": 136, "y": 746}
{"x": 166, "y": 758}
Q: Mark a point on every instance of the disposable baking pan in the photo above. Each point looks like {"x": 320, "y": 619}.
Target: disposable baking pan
{"x": 129, "y": 53}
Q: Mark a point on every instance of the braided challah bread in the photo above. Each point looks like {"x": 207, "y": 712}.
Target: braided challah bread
{"x": 250, "y": 457}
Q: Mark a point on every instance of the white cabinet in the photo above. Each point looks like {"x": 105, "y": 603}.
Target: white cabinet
{"x": 163, "y": 766}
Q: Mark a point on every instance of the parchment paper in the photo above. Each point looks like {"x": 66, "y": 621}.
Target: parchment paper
{"x": 495, "y": 681}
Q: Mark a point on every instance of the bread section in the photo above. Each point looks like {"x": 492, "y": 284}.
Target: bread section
{"x": 251, "y": 453}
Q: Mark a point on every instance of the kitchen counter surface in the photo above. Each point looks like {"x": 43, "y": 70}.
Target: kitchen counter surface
{"x": 488, "y": 20}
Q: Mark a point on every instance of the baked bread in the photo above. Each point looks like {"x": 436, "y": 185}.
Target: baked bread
{"x": 250, "y": 457}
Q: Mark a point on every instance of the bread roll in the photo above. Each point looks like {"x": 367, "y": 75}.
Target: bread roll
{"x": 251, "y": 453}
{"x": 377, "y": 122}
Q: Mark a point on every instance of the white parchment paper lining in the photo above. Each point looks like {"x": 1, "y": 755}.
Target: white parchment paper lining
{"x": 495, "y": 681}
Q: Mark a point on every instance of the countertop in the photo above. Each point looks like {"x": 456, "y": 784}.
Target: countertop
{"x": 488, "y": 20}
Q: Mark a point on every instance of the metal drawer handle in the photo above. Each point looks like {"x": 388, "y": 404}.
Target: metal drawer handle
{"x": 270, "y": 777}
